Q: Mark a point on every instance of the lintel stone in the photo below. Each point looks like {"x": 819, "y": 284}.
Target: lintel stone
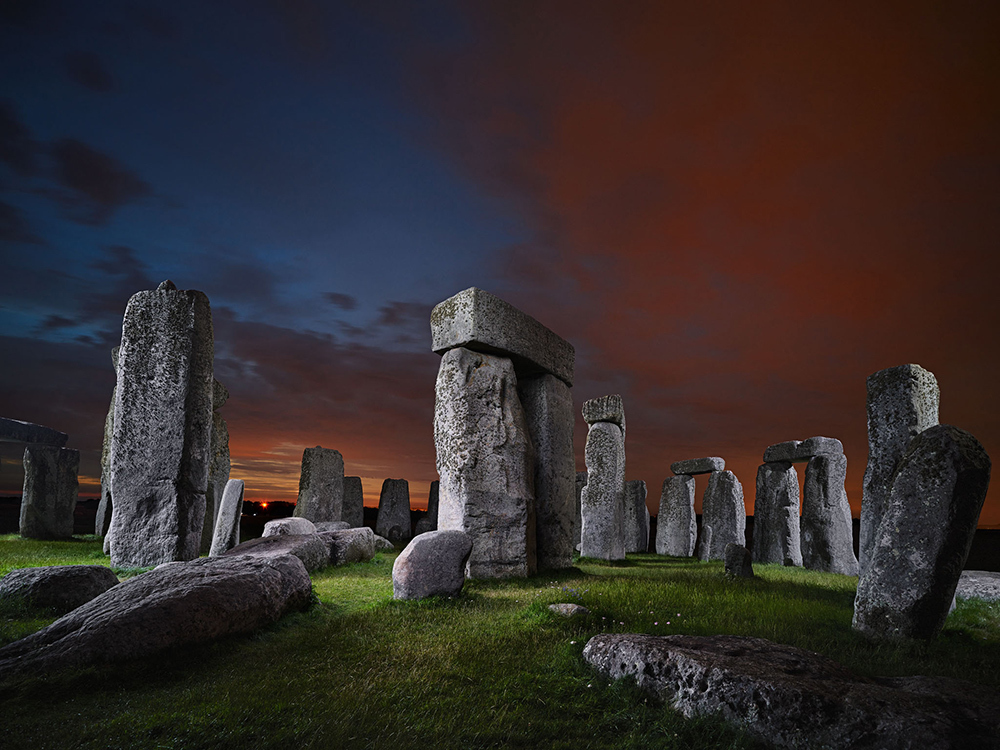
{"x": 15, "y": 431}
{"x": 698, "y": 465}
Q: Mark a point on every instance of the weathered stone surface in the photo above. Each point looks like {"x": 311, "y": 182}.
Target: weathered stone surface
{"x": 219, "y": 466}
{"x": 105, "y": 509}
{"x": 698, "y": 466}
{"x": 902, "y": 403}
{"x": 979, "y": 584}
{"x": 792, "y": 698}
{"x": 350, "y": 545}
{"x": 353, "y": 508}
{"x": 827, "y": 536}
{"x": 433, "y": 564}
{"x": 176, "y": 604}
{"x": 635, "y": 521}
{"x": 787, "y": 451}
{"x": 312, "y": 549}
{"x": 567, "y": 609}
{"x": 705, "y": 542}
{"x": 331, "y": 526}
{"x": 722, "y": 509}
{"x": 605, "y": 409}
{"x": 776, "y": 515}
{"x": 581, "y": 482}
{"x": 737, "y": 561}
{"x": 283, "y": 526}
{"x": 430, "y": 518}
{"x": 676, "y": 524}
{"x": 819, "y": 446}
{"x": 321, "y": 485}
{"x": 925, "y": 536}
{"x": 227, "y": 524}
{"x": 50, "y": 492}
{"x": 393, "y": 520}
{"x": 383, "y": 545}
{"x": 58, "y": 587}
{"x": 16, "y": 431}
{"x": 102, "y": 523}
{"x": 548, "y": 410}
{"x": 602, "y": 503}
{"x": 477, "y": 320}
{"x": 486, "y": 463}
{"x": 160, "y": 447}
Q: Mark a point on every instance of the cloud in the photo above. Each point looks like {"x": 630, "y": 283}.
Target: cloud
{"x": 17, "y": 148}
{"x": 87, "y": 69}
{"x": 95, "y": 184}
{"x": 14, "y": 226}
{"x": 342, "y": 301}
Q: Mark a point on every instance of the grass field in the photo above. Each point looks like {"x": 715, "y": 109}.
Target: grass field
{"x": 490, "y": 668}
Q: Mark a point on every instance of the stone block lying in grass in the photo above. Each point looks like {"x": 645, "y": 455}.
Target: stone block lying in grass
{"x": 175, "y": 604}
{"x": 350, "y": 545}
{"x": 433, "y": 564}
{"x": 311, "y": 549}
{"x": 58, "y": 587}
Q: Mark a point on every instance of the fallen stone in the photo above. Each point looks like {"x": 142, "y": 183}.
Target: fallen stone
{"x": 312, "y": 549}
{"x": 567, "y": 609}
{"x": 902, "y": 403}
{"x": 723, "y": 510}
{"x": 979, "y": 584}
{"x": 477, "y": 320}
{"x": 292, "y": 525}
{"x": 605, "y": 409}
{"x": 353, "y": 509}
{"x": 383, "y": 545}
{"x": 602, "y": 503}
{"x": 57, "y": 587}
{"x": 393, "y": 521}
{"x": 350, "y": 545}
{"x": 331, "y": 526}
{"x": 321, "y": 485}
{"x": 50, "y": 492}
{"x": 827, "y": 533}
{"x": 635, "y": 520}
{"x": 176, "y": 604}
{"x": 433, "y": 564}
{"x": 925, "y": 536}
{"x": 776, "y": 515}
{"x": 787, "y": 451}
{"x": 227, "y": 525}
{"x": 693, "y": 466}
{"x": 737, "y": 561}
{"x": 676, "y": 524}
{"x": 16, "y": 431}
{"x": 791, "y": 698}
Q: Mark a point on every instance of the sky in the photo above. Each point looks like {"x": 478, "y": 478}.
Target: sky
{"x": 735, "y": 212}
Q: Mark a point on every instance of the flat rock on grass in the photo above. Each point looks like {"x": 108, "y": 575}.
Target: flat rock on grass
{"x": 792, "y": 698}
{"x": 58, "y": 587}
{"x": 312, "y": 549}
{"x": 175, "y": 604}
{"x": 567, "y": 609}
{"x": 350, "y": 545}
{"x": 292, "y": 525}
{"x": 979, "y": 584}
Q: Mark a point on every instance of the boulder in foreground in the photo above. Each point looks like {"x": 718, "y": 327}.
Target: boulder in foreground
{"x": 59, "y": 587}
{"x": 433, "y": 564}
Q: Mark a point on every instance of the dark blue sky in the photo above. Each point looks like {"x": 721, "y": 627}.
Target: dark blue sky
{"x": 735, "y": 213}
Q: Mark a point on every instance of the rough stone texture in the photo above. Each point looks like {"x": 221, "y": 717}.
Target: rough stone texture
{"x": 58, "y": 587}
{"x": 331, "y": 526}
{"x": 698, "y": 466}
{"x": 787, "y": 451}
{"x": 602, "y": 504}
{"x": 676, "y": 525}
{"x": 177, "y": 604}
{"x": 902, "y": 403}
{"x": 393, "y": 520}
{"x": 819, "y": 446}
{"x": 738, "y": 563}
{"x": 477, "y": 320}
{"x": 925, "y": 536}
{"x": 16, "y": 431}
{"x": 548, "y": 409}
{"x": 219, "y": 466}
{"x": 776, "y": 515}
{"x": 581, "y": 482}
{"x": 605, "y": 409}
{"x": 160, "y": 447}
{"x": 50, "y": 492}
{"x": 353, "y": 508}
{"x": 979, "y": 584}
{"x": 635, "y": 521}
{"x": 105, "y": 509}
{"x": 827, "y": 536}
{"x": 350, "y": 545}
{"x": 792, "y": 698}
{"x": 312, "y": 549}
{"x": 705, "y": 542}
{"x": 567, "y": 609}
{"x": 227, "y": 525}
{"x": 433, "y": 564}
{"x": 383, "y": 545}
{"x": 102, "y": 523}
{"x": 722, "y": 509}
{"x": 430, "y": 520}
{"x": 294, "y": 526}
{"x": 486, "y": 463}
{"x": 321, "y": 485}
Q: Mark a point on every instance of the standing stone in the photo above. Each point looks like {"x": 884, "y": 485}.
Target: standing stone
{"x": 676, "y": 525}
{"x": 102, "y": 523}
{"x": 602, "y": 504}
{"x": 218, "y": 467}
{"x": 737, "y": 561}
{"x": 160, "y": 448}
{"x": 776, "y": 515}
{"x": 827, "y": 535}
{"x": 353, "y": 508}
{"x": 902, "y": 403}
{"x": 581, "y": 482}
{"x": 486, "y": 462}
{"x": 430, "y": 520}
{"x": 321, "y": 485}
{"x": 548, "y": 409}
{"x": 724, "y": 512}
{"x": 705, "y": 542}
{"x": 925, "y": 536}
{"x": 394, "y": 511}
{"x": 50, "y": 492}
{"x": 227, "y": 524}
{"x": 636, "y": 518}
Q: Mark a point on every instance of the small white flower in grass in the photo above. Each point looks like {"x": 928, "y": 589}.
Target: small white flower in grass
{"x": 656, "y": 623}
{"x": 572, "y": 642}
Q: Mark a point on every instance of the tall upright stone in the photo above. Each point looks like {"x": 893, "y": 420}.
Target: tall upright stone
{"x": 227, "y": 523}
{"x": 676, "y": 524}
{"x": 160, "y": 447}
{"x": 602, "y": 503}
{"x": 925, "y": 536}
{"x": 636, "y": 518}
{"x": 353, "y": 508}
{"x": 724, "y": 512}
{"x": 776, "y": 515}
{"x": 902, "y": 403}
{"x": 102, "y": 523}
{"x": 827, "y": 533}
{"x": 50, "y": 491}
{"x": 581, "y": 482}
{"x": 430, "y": 520}
{"x": 393, "y": 520}
{"x": 218, "y": 467}
{"x": 486, "y": 462}
{"x": 321, "y": 485}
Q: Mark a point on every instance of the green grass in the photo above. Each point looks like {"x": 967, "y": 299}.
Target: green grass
{"x": 490, "y": 668}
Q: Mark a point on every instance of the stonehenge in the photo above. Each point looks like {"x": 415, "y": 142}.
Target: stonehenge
{"x": 321, "y": 485}
{"x": 227, "y": 524}
{"x": 723, "y": 511}
{"x": 636, "y": 517}
{"x": 218, "y": 467}
{"x": 602, "y": 502}
{"x": 353, "y": 508}
{"x": 676, "y": 525}
{"x": 723, "y": 514}
{"x": 430, "y": 519}
{"x": 776, "y": 515}
{"x": 394, "y": 511}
